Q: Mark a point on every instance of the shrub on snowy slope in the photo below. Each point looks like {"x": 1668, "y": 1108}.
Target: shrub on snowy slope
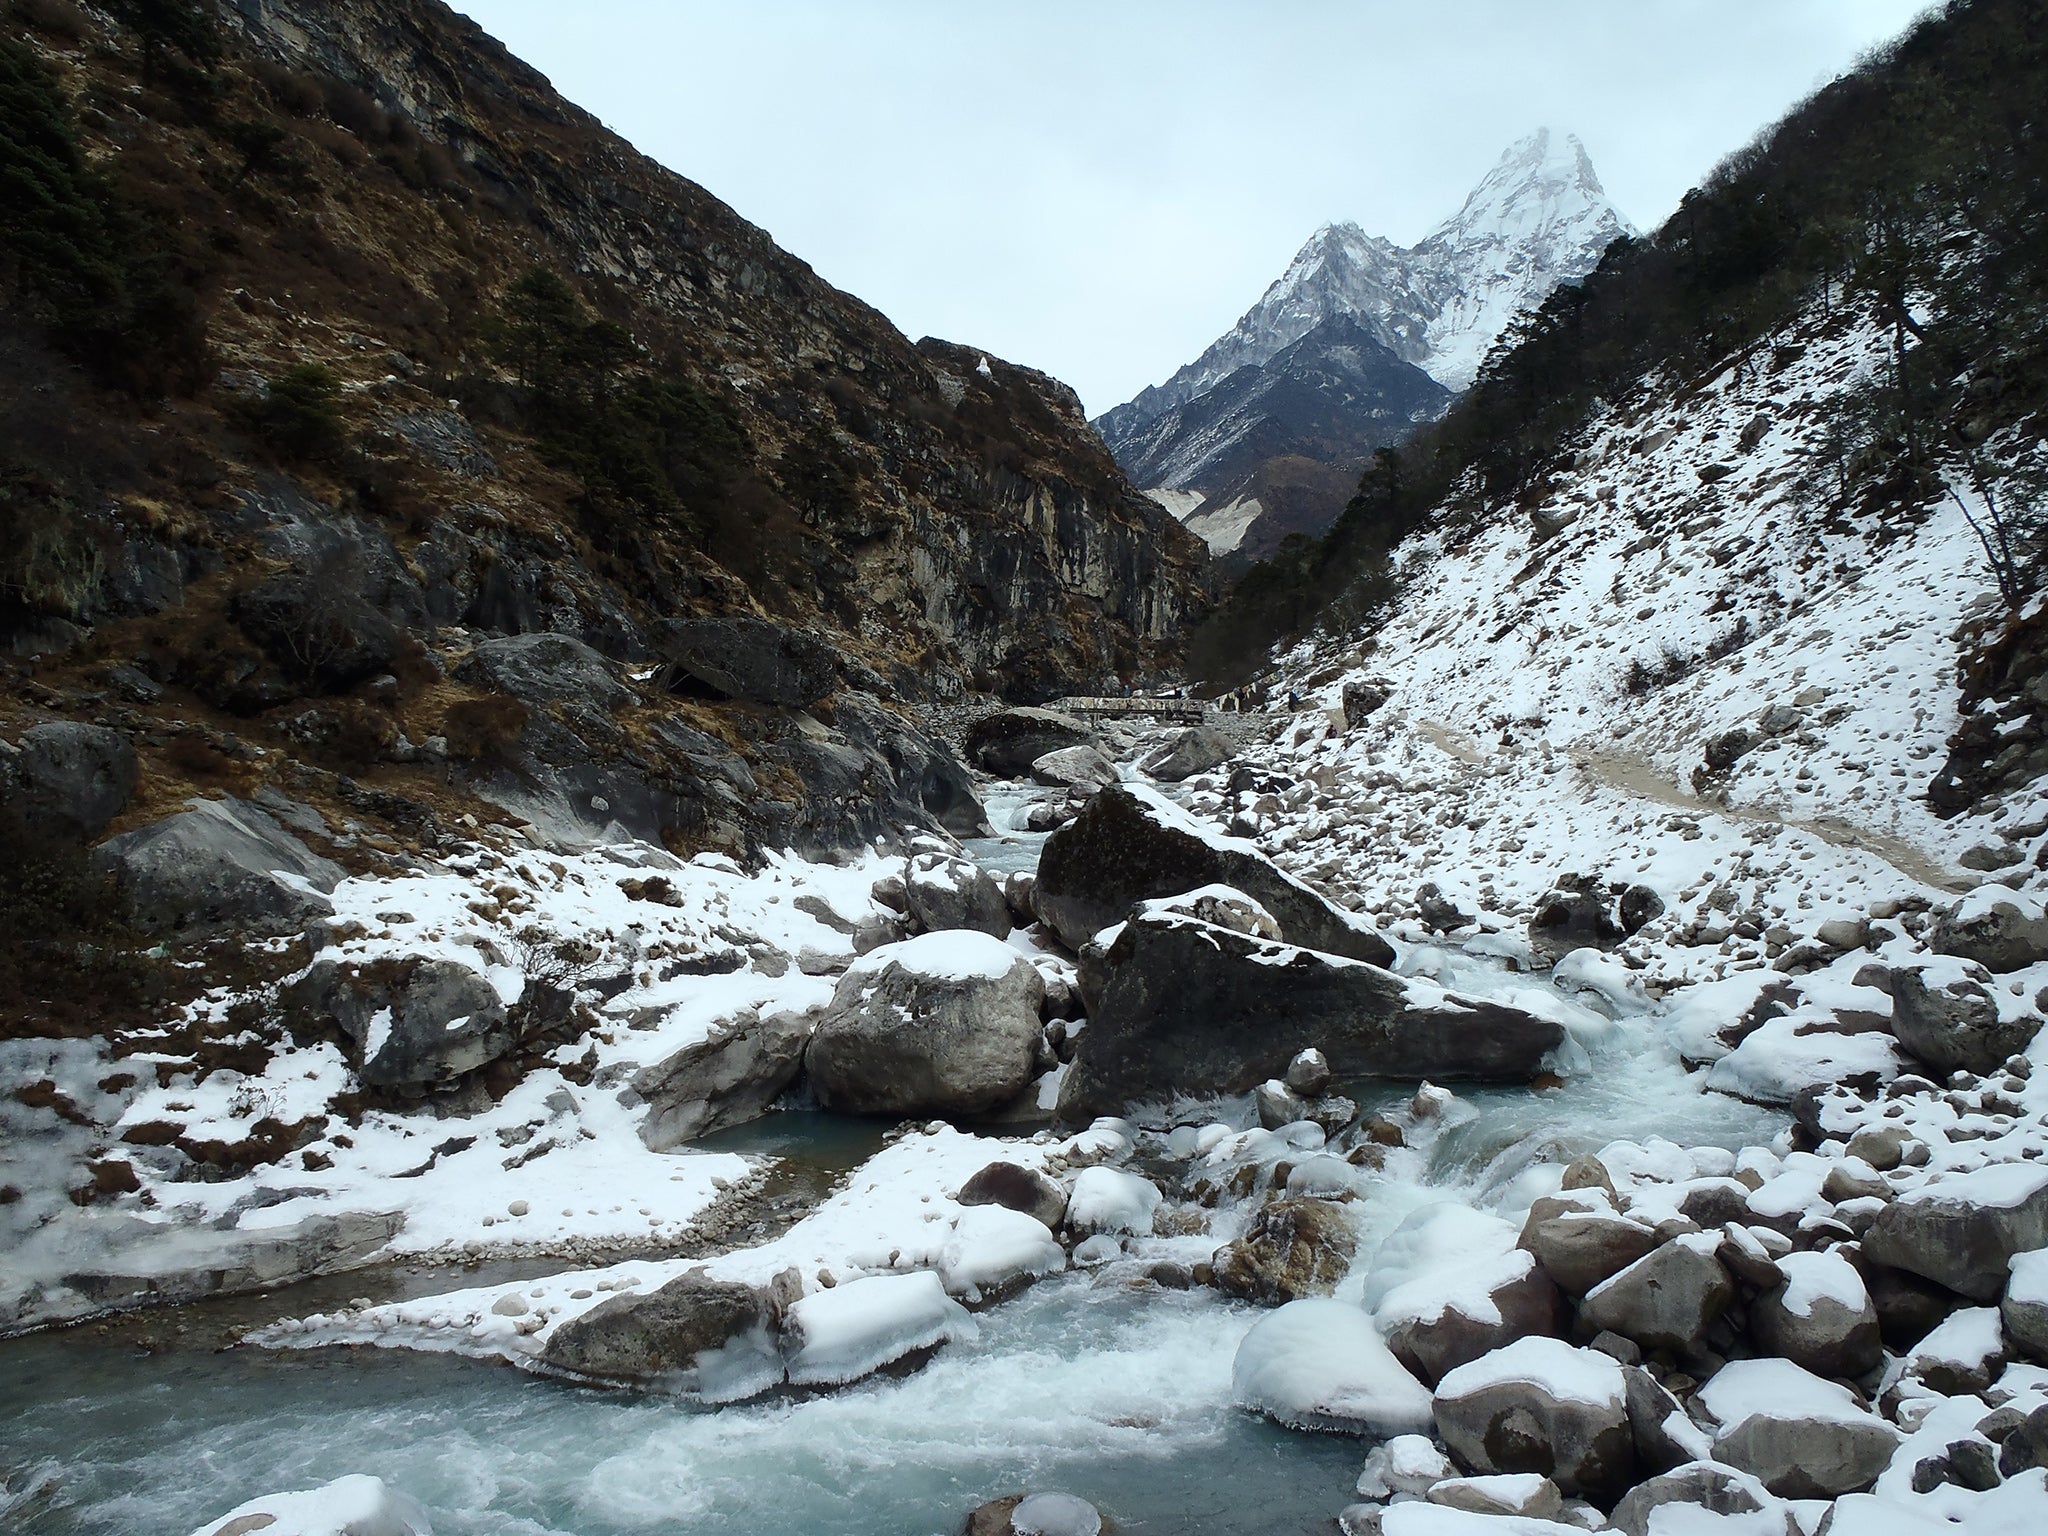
{"x": 1912, "y": 190}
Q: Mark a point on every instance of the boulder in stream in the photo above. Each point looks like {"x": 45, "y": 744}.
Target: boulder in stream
{"x": 1191, "y": 1007}
{"x": 943, "y": 1024}
{"x": 1007, "y": 743}
{"x": 707, "y": 1338}
{"x": 1130, "y": 845}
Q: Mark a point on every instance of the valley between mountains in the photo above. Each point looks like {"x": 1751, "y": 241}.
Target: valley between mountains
{"x": 634, "y": 903}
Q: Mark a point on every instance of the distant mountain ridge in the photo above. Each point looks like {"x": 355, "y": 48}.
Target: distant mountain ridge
{"x": 1538, "y": 218}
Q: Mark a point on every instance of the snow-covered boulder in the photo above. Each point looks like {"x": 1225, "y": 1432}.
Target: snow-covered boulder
{"x": 1583, "y": 1241}
{"x": 2025, "y": 1307}
{"x": 1320, "y": 1364}
{"x": 1189, "y": 1007}
{"x": 1805, "y": 1438}
{"x": 1820, "y": 1317}
{"x": 1962, "y": 1232}
{"x": 1111, "y": 1200}
{"x": 854, "y": 1329}
{"x": 1526, "y": 1494}
{"x": 1958, "y": 1023}
{"x": 1999, "y": 928}
{"x": 1666, "y": 1299}
{"x": 1539, "y": 1405}
{"x": 943, "y": 892}
{"x": 1963, "y": 1355}
{"x": 696, "y": 1336}
{"x": 1437, "y": 1323}
{"x": 359, "y": 1505}
{"x": 416, "y": 1021}
{"x": 1703, "y": 1486}
{"x": 1295, "y": 1247}
{"x": 943, "y": 1024}
{"x": 1017, "y": 1188}
{"x": 730, "y": 1076}
{"x": 992, "y": 1248}
{"x": 1132, "y": 845}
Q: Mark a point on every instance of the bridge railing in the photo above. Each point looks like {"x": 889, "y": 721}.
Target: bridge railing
{"x": 1164, "y": 709}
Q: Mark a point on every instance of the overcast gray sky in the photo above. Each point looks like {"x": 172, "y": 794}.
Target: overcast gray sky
{"x": 1099, "y": 188}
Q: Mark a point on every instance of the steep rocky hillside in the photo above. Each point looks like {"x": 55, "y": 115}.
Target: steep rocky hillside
{"x": 422, "y": 433}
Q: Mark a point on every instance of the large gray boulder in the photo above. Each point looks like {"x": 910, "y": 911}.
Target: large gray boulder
{"x": 416, "y": 1022}
{"x": 1189, "y": 1007}
{"x": 1578, "y": 1247}
{"x": 942, "y": 892}
{"x": 69, "y": 777}
{"x": 222, "y": 866}
{"x": 945, "y": 1024}
{"x": 1008, "y": 742}
{"x": 1493, "y": 1305}
{"x": 743, "y": 658}
{"x": 1666, "y": 1299}
{"x": 545, "y": 668}
{"x": 733, "y": 1075}
{"x": 2025, "y": 1307}
{"x": 1803, "y": 1437}
{"x": 1704, "y": 1485}
{"x": 1820, "y": 1317}
{"x": 2000, "y": 930}
{"x": 1958, "y": 1025}
{"x": 707, "y": 1338}
{"x": 1083, "y": 770}
{"x": 1539, "y": 1405}
{"x": 1195, "y": 750}
{"x": 1962, "y": 1232}
{"x": 1131, "y": 845}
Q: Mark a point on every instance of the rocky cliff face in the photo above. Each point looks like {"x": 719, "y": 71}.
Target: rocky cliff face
{"x": 586, "y": 501}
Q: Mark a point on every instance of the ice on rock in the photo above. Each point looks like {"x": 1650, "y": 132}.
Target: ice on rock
{"x": 358, "y": 1505}
{"x": 1320, "y": 1364}
{"x": 852, "y": 1330}
{"x": 1055, "y": 1514}
{"x": 1099, "y": 1249}
{"x": 1430, "y": 1250}
{"x": 1111, "y": 1200}
{"x": 992, "y": 1245}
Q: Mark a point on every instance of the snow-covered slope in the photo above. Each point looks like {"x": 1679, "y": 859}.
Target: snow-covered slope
{"x": 1538, "y": 218}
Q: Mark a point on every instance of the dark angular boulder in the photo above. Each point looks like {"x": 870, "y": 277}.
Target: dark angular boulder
{"x": 1130, "y": 845}
{"x": 1008, "y": 742}
{"x": 745, "y": 658}
{"x": 223, "y": 865}
{"x": 1957, "y": 1026}
{"x": 545, "y": 668}
{"x": 69, "y": 777}
{"x": 1189, "y": 1007}
{"x": 711, "y": 1338}
{"x": 416, "y": 1022}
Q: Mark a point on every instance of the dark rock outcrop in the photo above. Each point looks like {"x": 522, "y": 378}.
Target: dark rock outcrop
{"x": 223, "y": 865}
{"x": 1129, "y": 845}
{"x": 1189, "y": 1007}
{"x": 68, "y": 777}
{"x": 1007, "y": 743}
{"x": 742, "y": 658}
{"x": 416, "y": 1023}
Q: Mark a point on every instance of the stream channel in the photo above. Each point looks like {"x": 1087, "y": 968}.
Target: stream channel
{"x": 149, "y": 1426}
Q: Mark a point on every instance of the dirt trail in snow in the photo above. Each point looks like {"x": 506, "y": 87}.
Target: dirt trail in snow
{"x": 1632, "y": 776}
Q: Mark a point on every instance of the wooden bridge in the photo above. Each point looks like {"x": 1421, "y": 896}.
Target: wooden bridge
{"x": 1175, "y": 711}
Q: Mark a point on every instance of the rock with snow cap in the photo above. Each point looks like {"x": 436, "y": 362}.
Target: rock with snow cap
{"x": 1433, "y": 1327}
{"x": 942, "y": 1024}
{"x": 1803, "y": 1437}
{"x": 1008, "y": 742}
{"x": 1964, "y": 1355}
{"x": 1107, "y": 1199}
{"x": 1666, "y": 1299}
{"x": 416, "y": 1022}
{"x": 709, "y": 1338}
{"x": 1195, "y": 750}
{"x": 2001, "y": 929}
{"x": 1820, "y": 1317}
{"x": 1083, "y": 770}
{"x": 2025, "y": 1306}
{"x": 1526, "y": 1494}
{"x": 942, "y": 892}
{"x": 1957, "y": 1025}
{"x": 1701, "y": 1485}
{"x": 1131, "y": 845}
{"x": 1580, "y": 1244}
{"x": 1539, "y": 1405}
{"x": 1962, "y": 1232}
{"x": 836, "y": 1336}
{"x": 1187, "y": 1007}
